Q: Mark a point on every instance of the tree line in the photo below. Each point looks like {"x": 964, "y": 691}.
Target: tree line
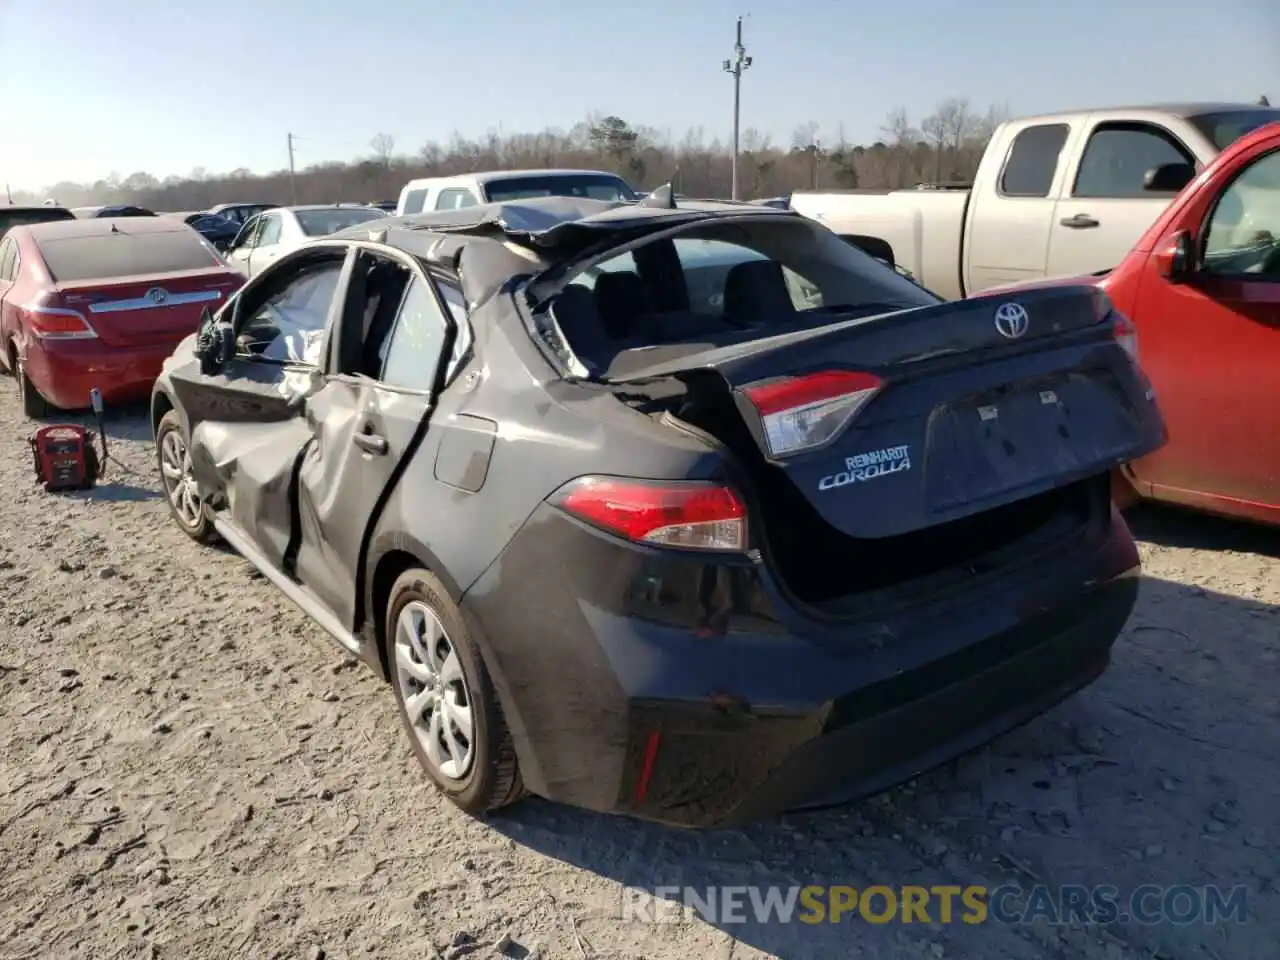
{"x": 946, "y": 145}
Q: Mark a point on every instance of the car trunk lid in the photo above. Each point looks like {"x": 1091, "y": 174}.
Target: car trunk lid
{"x": 925, "y": 416}
{"x": 151, "y": 309}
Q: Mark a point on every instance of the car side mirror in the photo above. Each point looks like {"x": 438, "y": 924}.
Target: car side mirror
{"x": 215, "y": 344}
{"x": 1176, "y": 259}
{"x": 1168, "y": 177}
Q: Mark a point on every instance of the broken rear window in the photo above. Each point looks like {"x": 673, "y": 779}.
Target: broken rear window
{"x": 726, "y": 282}
{"x": 106, "y": 255}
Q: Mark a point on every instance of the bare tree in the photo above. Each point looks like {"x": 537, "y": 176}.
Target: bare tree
{"x": 805, "y": 136}
{"x": 948, "y": 143}
{"x": 936, "y": 130}
{"x": 1263, "y": 101}
{"x": 383, "y": 146}
{"x": 897, "y": 130}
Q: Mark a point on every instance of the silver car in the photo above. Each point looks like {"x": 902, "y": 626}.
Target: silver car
{"x": 275, "y": 232}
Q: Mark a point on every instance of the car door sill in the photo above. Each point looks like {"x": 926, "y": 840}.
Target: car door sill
{"x": 296, "y": 592}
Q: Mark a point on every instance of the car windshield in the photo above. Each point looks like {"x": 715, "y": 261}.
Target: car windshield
{"x": 10, "y": 218}
{"x": 104, "y": 256}
{"x": 724, "y": 282}
{"x": 320, "y": 223}
{"x": 1224, "y": 129}
{"x": 594, "y": 186}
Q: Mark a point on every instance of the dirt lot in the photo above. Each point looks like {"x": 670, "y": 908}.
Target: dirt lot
{"x": 189, "y": 770}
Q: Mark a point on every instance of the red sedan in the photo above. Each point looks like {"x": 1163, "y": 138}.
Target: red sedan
{"x": 101, "y": 303}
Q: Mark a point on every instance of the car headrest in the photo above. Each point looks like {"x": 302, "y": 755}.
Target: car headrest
{"x": 756, "y": 291}
{"x": 621, "y": 299}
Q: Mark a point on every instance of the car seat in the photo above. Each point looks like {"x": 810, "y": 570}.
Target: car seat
{"x": 756, "y": 292}
{"x": 622, "y": 301}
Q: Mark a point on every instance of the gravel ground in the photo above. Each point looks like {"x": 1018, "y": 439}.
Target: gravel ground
{"x": 189, "y": 770}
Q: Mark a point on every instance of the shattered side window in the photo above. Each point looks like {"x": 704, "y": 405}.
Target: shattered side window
{"x": 289, "y": 327}
{"x": 457, "y": 304}
{"x": 411, "y": 355}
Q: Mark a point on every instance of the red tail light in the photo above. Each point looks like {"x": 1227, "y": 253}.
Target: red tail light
{"x": 803, "y": 412}
{"x": 1126, "y": 335}
{"x": 57, "y": 323}
{"x": 696, "y": 516}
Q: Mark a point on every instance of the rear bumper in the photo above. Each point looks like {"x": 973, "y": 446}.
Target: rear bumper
{"x": 688, "y": 692}
{"x": 64, "y": 371}
{"x": 855, "y": 752}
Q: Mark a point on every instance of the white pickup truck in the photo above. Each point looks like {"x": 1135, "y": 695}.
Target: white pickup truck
{"x": 1061, "y": 194}
{"x": 495, "y": 186}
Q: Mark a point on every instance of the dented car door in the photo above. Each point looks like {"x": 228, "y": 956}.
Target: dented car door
{"x": 367, "y": 421}
{"x": 247, "y": 424}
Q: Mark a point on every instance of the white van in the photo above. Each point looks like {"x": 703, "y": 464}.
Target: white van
{"x": 470, "y": 189}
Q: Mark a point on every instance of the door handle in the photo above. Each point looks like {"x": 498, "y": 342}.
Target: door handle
{"x": 1081, "y": 221}
{"x": 371, "y": 442}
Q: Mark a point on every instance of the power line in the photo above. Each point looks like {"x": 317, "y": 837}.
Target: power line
{"x": 735, "y": 67}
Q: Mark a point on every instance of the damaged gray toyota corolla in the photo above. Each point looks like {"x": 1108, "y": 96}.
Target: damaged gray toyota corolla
{"x": 696, "y": 514}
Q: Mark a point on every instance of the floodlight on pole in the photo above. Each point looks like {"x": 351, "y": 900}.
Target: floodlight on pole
{"x": 735, "y": 67}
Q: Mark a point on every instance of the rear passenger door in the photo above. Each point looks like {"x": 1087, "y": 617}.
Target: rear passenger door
{"x": 266, "y": 245}
{"x": 1011, "y": 215}
{"x": 367, "y": 420}
{"x": 1105, "y": 208}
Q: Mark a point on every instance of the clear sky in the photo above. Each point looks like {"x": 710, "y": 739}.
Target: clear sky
{"x": 93, "y": 87}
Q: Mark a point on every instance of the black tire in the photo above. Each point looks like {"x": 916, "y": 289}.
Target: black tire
{"x": 493, "y": 780}
{"x": 33, "y": 405}
{"x": 9, "y": 361}
{"x": 202, "y": 531}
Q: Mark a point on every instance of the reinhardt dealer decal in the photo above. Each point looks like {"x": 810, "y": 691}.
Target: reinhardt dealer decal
{"x": 868, "y": 466}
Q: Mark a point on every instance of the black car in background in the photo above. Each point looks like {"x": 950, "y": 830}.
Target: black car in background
{"x": 17, "y": 216}
{"x": 124, "y": 210}
{"x": 696, "y": 558}
{"x": 241, "y": 213}
{"x": 218, "y": 230}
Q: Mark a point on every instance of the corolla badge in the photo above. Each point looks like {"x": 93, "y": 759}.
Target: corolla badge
{"x": 1012, "y": 320}
{"x": 157, "y": 295}
{"x": 868, "y": 466}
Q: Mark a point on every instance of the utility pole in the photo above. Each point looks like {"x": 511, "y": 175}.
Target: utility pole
{"x": 736, "y": 66}
{"x": 293, "y": 177}
{"x": 8, "y": 194}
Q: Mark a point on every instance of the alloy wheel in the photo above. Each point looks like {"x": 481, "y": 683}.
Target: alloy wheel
{"x": 179, "y": 480}
{"x": 433, "y": 688}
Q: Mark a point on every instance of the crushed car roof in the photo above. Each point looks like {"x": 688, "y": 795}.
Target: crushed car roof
{"x": 551, "y": 223}
{"x": 487, "y": 245}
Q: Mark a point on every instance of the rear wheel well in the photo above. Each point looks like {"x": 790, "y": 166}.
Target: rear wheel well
{"x": 389, "y": 568}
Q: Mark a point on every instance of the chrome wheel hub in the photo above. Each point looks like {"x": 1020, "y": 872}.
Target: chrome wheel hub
{"x": 433, "y": 688}
{"x": 179, "y": 481}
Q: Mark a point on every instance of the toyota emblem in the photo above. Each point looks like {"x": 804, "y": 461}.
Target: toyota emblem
{"x": 1012, "y": 320}
{"x": 157, "y": 295}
